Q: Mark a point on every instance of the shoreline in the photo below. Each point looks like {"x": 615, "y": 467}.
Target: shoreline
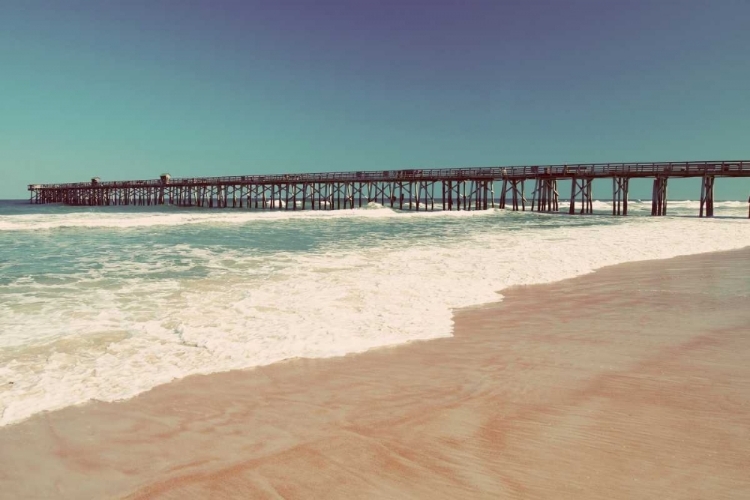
{"x": 190, "y": 409}
{"x": 446, "y": 330}
{"x": 498, "y": 298}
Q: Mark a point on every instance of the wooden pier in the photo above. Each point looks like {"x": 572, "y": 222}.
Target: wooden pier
{"x": 418, "y": 189}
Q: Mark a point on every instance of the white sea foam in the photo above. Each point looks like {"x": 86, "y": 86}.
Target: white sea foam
{"x": 682, "y": 207}
{"x": 275, "y": 204}
{"x": 186, "y": 216}
{"x": 108, "y": 339}
{"x": 125, "y": 220}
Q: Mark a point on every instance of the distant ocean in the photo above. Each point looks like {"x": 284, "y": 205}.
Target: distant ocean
{"x": 105, "y": 303}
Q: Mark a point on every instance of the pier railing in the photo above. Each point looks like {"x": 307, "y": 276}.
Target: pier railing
{"x": 686, "y": 169}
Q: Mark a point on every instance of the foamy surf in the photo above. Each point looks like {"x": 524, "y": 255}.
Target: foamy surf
{"x": 126, "y": 220}
{"x": 105, "y": 314}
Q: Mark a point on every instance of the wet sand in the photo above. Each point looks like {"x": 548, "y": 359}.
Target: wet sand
{"x": 632, "y": 382}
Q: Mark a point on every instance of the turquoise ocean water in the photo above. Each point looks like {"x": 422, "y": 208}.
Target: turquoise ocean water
{"x": 105, "y": 303}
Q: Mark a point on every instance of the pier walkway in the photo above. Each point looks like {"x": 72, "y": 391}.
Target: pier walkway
{"x": 416, "y": 189}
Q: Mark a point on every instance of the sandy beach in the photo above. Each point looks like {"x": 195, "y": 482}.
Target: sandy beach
{"x": 631, "y": 382}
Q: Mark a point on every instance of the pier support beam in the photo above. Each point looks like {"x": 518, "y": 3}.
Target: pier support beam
{"x": 517, "y": 194}
{"x": 503, "y": 194}
{"x": 707, "y": 196}
{"x": 545, "y": 195}
{"x": 659, "y": 197}
{"x": 581, "y": 187}
{"x": 620, "y": 195}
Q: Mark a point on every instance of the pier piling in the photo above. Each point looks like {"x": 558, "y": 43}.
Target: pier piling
{"x": 620, "y": 195}
{"x": 707, "y": 195}
{"x": 659, "y": 197}
{"x": 581, "y": 187}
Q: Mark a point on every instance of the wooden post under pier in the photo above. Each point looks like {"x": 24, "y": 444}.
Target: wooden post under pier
{"x": 581, "y": 186}
{"x": 707, "y": 196}
{"x": 620, "y": 195}
{"x": 545, "y": 195}
{"x": 659, "y": 196}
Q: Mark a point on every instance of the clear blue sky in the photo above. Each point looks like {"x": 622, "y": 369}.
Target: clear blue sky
{"x": 135, "y": 88}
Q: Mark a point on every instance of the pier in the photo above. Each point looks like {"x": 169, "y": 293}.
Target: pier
{"x": 520, "y": 188}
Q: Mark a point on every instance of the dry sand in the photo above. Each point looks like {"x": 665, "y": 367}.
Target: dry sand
{"x": 630, "y": 383}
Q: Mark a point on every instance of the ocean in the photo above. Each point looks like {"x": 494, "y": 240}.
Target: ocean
{"x": 106, "y": 303}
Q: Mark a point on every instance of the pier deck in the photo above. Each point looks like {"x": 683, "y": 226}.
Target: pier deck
{"x": 415, "y": 189}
